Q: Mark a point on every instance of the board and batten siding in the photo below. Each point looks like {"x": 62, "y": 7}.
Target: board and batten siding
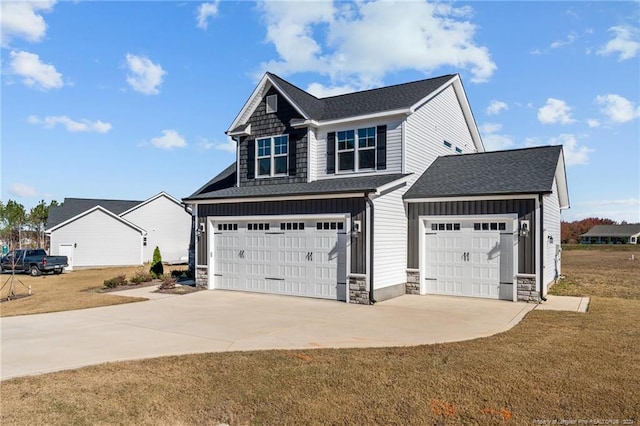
{"x": 551, "y": 225}
{"x": 389, "y": 239}
{"x": 352, "y": 206}
{"x": 394, "y": 147}
{"x": 524, "y": 208}
{"x": 168, "y": 227}
{"x": 100, "y": 240}
{"x": 439, "y": 119}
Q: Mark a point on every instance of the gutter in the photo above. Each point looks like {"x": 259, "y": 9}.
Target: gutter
{"x": 542, "y": 245}
{"x": 372, "y": 299}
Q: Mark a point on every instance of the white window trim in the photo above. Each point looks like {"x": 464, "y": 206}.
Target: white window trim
{"x": 356, "y": 150}
{"x": 272, "y": 157}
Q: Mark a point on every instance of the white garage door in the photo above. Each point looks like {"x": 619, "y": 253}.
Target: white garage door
{"x": 468, "y": 258}
{"x": 294, "y": 257}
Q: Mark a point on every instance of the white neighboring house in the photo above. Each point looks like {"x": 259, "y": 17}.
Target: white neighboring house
{"x": 93, "y": 232}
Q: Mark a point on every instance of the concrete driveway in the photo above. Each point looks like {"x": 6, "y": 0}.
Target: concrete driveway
{"x": 219, "y": 321}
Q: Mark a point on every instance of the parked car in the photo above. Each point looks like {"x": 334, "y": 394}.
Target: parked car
{"x": 33, "y": 262}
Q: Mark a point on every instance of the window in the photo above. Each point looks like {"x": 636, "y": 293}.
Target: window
{"x": 445, "y": 226}
{"x": 329, "y": 226}
{"x": 292, "y": 226}
{"x": 490, "y": 226}
{"x": 354, "y": 156}
{"x": 458, "y": 150}
{"x": 346, "y": 150}
{"x": 272, "y": 156}
{"x": 272, "y": 104}
{"x": 227, "y": 227}
{"x": 258, "y": 227}
{"x": 447, "y": 144}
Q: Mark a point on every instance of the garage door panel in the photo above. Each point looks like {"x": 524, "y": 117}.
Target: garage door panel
{"x": 302, "y": 260}
{"x": 461, "y": 260}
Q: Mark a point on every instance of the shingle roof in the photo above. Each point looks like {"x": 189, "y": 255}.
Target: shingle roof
{"x": 225, "y": 179}
{"x": 518, "y": 171}
{"x": 325, "y": 186}
{"x": 372, "y": 101}
{"x": 72, "y": 207}
{"x": 613, "y": 230}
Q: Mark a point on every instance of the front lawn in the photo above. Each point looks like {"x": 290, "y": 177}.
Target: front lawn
{"x": 553, "y": 366}
{"x": 65, "y": 292}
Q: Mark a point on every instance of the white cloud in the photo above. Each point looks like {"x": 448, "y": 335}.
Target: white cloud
{"x": 344, "y": 40}
{"x": 492, "y": 140}
{"x": 618, "y": 108}
{"x": 573, "y": 153}
{"x": 625, "y": 43}
{"x": 206, "y": 11}
{"x": 228, "y": 146}
{"x": 145, "y": 76}
{"x": 21, "y": 19}
{"x": 320, "y": 91}
{"x": 555, "y": 111}
{"x": 83, "y": 125}
{"x": 34, "y": 72}
{"x": 495, "y": 107}
{"x": 559, "y": 43}
{"x": 170, "y": 139}
{"x": 22, "y": 190}
{"x": 593, "y": 123}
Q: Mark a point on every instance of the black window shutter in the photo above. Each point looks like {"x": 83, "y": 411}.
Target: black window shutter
{"x": 381, "y": 147}
{"x": 292, "y": 157}
{"x": 331, "y": 152}
{"x": 251, "y": 159}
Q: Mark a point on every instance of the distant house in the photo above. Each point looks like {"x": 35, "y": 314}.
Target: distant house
{"x": 92, "y": 232}
{"x": 612, "y": 234}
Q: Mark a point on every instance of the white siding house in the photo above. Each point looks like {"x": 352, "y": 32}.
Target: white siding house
{"x": 167, "y": 226}
{"x": 99, "y": 238}
{"x": 367, "y": 174}
{"x": 94, "y": 233}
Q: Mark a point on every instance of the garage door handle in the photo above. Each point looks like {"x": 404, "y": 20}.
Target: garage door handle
{"x": 241, "y": 254}
{"x": 310, "y": 256}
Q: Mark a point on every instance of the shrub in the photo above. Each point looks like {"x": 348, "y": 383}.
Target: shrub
{"x": 116, "y": 281}
{"x": 168, "y": 283}
{"x": 177, "y": 273}
{"x": 156, "y": 269}
{"x": 141, "y": 276}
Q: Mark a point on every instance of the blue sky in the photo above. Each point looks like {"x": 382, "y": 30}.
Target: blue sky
{"x": 122, "y": 100}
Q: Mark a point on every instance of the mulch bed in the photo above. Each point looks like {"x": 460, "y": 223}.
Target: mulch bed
{"x": 179, "y": 289}
{"x": 14, "y": 297}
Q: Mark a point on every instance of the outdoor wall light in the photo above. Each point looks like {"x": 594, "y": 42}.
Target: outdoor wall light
{"x": 550, "y": 239}
{"x": 524, "y": 228}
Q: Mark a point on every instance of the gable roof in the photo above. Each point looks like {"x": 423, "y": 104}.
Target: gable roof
{"x": 101, "y": 209}
{"x": 399, "y": 97}
{"x": 626, "y": 230}
{"x": 149, "y": 200}
{"x": 518, "y": 171}
{"x": 361, "y": 184}
{"x": 72, "y": 207}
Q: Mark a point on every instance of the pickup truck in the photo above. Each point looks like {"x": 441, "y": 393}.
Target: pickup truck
{"x": 33, "y": 261}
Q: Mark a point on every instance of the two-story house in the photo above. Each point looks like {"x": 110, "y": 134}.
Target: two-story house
{"x": 369, "y": 195}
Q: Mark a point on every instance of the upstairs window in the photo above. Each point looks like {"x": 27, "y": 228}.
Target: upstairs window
{"x": 354, "y": 156}
{"x": 357, "y": 150}
{"x": 271, "y": 158}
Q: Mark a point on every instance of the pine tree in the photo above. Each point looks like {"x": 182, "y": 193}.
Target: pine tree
{"x": 157, "y": 270}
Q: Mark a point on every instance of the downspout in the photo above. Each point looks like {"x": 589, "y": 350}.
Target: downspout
{"x": 372, "y": 300}
{"x": 541, "y": 254}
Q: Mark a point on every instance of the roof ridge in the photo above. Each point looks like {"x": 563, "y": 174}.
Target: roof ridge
{"x": 392, "y": 86}
{"x": 502, "y": 150}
